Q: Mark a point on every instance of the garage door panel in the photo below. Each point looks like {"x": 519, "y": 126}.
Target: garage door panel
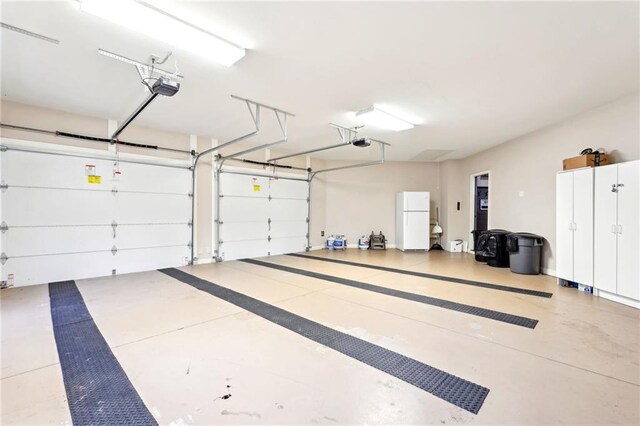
{"x": 243, "y": 249}
{"x": 56, "y": 207}
{"x": 243, "y": 231}
{"x": 152, "y": 208}
{"x": 147, "y": 259}
{"x": 243, "y": 209}
{"x": 46, "y": 170}
{"x": 46, "y": 269}
{"x": 278, "y": 210}
{"x": 137, "y": 236}
{"x": 287, "y": 245}
{"x": 150, "y": 178}
{"x": 288, "y": 209}
{"x": 285, "y": 188}
{"x": 244, "y": 186}
{"x": 288, "y": 229}
{"x": 52, "y": 240}
{"x": 66, "y": 233}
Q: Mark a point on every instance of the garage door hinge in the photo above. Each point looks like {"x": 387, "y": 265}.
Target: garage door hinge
{"x": 114, "y": 225}
{"x": 269, "y": 238}
{"x": 269, "y": 198}
{"x": 3, "y": 148}
{"x": 307, "y": 220}
{"x": 114, "y": 250}
{"x": 190, "y": 223}
{"x": 307, "y": 236}
{"x": 308, "y": 200}
{"x": 221, "y": 196}
{"x": 4, "y": 186}
{"x": 3, "y": 258}
{"x": 220, "y": 242}
{"x": 4, "y": 227}
{"x": 189, "y": 245}
{"x": 190, "y": 194}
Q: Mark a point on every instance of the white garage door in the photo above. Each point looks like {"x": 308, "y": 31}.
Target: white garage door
{"x": 59, "y": 223}
{"x": 262, "y": 216}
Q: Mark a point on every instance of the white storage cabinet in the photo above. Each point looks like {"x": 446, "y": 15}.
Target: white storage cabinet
{"x": 574, "y": 226}
{"x": 617, "y": 232}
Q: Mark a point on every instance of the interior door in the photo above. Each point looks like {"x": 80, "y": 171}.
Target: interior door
{"x": 628, "y": 191}
{"x": 605, "y": 227}
{"x": 564, "y": 225}
{"x": 416, "y": 235}
{"x": 583, "y": 226}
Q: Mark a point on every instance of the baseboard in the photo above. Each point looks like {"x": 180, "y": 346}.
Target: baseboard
{"x": 617, "y": 298}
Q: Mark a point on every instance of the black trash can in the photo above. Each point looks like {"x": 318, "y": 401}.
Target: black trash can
{"x": 524, "y": 252}
{"x": 477, "y": 247}
{"x": 496, "y": 248}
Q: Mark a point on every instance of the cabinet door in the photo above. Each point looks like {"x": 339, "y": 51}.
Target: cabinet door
{"x": 564, "y": 224}
{"x": 583, "y": 226}
{"x": 629, "y": 229}
{"x": 605, "y": 222}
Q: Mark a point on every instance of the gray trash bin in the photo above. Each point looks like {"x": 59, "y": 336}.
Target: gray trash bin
{"x": 524, "y": 252}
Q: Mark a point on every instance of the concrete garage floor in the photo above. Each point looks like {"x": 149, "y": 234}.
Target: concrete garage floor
{"x": 181, "y": 347}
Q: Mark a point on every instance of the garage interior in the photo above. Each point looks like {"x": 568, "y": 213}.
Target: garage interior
{"x": 319, "y": 212}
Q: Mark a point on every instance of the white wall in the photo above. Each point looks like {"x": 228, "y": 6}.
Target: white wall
{"x": 530, "y": 163}
{"x": 362, "y": 200}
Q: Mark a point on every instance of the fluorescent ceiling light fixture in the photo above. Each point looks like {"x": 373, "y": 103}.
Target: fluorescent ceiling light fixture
{"x": 153, "y": 22}
{"x": 376, "y": 117}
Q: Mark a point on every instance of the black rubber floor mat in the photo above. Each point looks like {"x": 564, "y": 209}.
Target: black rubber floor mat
{"x": 98, "y": 390}
{"x": 431, "y": 276}
{"x": 460, "y": 392}
{"x": 441, "y": 303}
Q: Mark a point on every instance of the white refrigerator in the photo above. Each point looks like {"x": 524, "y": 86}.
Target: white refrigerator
{"x": 412, "y": 221}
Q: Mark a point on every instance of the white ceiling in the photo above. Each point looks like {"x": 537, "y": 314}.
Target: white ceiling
{"x": 472, "y": 75}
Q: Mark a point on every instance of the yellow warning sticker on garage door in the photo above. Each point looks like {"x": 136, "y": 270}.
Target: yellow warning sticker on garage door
{"x": 256, "y": 188}
{"x": 94, "y": 179}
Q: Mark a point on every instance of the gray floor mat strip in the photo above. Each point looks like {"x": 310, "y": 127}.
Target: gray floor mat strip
{"x": 441, "y": 303}
{"x": 431, "y": 276}
{"x": 462, "y": 393}
{"x": 98, "y": 390}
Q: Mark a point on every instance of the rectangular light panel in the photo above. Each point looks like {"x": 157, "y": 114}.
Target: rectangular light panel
{"x": 376, "y": 117}
{"x": 147, "y": 20}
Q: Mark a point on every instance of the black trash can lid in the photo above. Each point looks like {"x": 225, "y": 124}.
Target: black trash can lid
{"x": 526, "y": 238}
{"x": 526, "y": 235}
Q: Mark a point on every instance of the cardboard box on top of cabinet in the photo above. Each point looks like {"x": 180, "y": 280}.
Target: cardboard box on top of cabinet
{"x": 588, "y": 160}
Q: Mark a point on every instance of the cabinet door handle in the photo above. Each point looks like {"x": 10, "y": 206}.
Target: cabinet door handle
{"x": 619, "y": 229}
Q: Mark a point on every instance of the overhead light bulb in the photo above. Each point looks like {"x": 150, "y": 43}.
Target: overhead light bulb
{"x": 153, "y": 22}
{"x": 376, "y": 117}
